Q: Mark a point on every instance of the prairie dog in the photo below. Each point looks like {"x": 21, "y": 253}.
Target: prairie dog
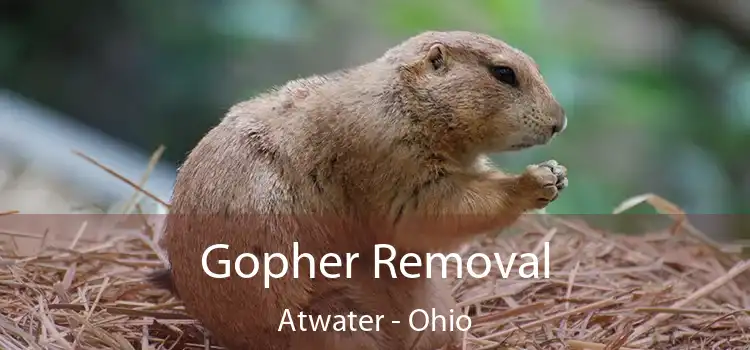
{"x": 392, "y": 151}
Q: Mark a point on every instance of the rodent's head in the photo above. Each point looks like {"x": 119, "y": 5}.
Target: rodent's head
{"x": 484, "y": 92}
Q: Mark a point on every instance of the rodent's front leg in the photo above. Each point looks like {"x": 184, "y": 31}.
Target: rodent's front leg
{"x": 460, "y": 205}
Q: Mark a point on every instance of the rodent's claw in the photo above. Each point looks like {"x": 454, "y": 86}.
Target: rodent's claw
{"x": 560, "y": 171}
{"x": 544, "y": 182}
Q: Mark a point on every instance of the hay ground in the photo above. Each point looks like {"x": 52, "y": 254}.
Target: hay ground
{"x": 660, "y": 290}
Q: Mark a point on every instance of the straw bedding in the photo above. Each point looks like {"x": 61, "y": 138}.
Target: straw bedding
{"x": 665, "y": 289}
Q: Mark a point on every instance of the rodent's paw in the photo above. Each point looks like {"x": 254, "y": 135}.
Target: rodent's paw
{"x": 561, "y": 174}
{"x": 542, "y": 183}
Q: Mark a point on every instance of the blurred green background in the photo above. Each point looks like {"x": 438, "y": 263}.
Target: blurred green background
{"x": 657, "y": 91}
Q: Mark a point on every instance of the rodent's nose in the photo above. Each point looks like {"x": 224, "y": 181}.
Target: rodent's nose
{"x": 562, "y": 121}
{"x": 560, "y": 127}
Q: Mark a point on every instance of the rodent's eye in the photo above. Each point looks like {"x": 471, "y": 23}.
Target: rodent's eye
{"x": 505, "y": 75}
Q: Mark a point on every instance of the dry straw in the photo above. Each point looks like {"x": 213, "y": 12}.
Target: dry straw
{"x": 667, "y": 289}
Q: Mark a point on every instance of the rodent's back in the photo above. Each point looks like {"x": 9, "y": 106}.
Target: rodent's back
{"x": 287, "y": 166}
{"x": 273, "y": 145}
{"x": 229, "y": 191}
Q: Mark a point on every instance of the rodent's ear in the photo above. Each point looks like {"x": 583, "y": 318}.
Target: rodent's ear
{"x": 436, "y": 56}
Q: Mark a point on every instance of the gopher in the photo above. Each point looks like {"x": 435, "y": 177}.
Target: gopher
{"x": 390, "y": 152}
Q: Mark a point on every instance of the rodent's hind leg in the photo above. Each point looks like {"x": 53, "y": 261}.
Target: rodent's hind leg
{"x": 259, "y": 339}
{"x": 436, "y": 298}
{"x": 341, "y": 301}
{"x": 335, "y": 341}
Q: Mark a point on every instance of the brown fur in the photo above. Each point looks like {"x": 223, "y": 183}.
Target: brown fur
{"x": 392, "y": 151}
